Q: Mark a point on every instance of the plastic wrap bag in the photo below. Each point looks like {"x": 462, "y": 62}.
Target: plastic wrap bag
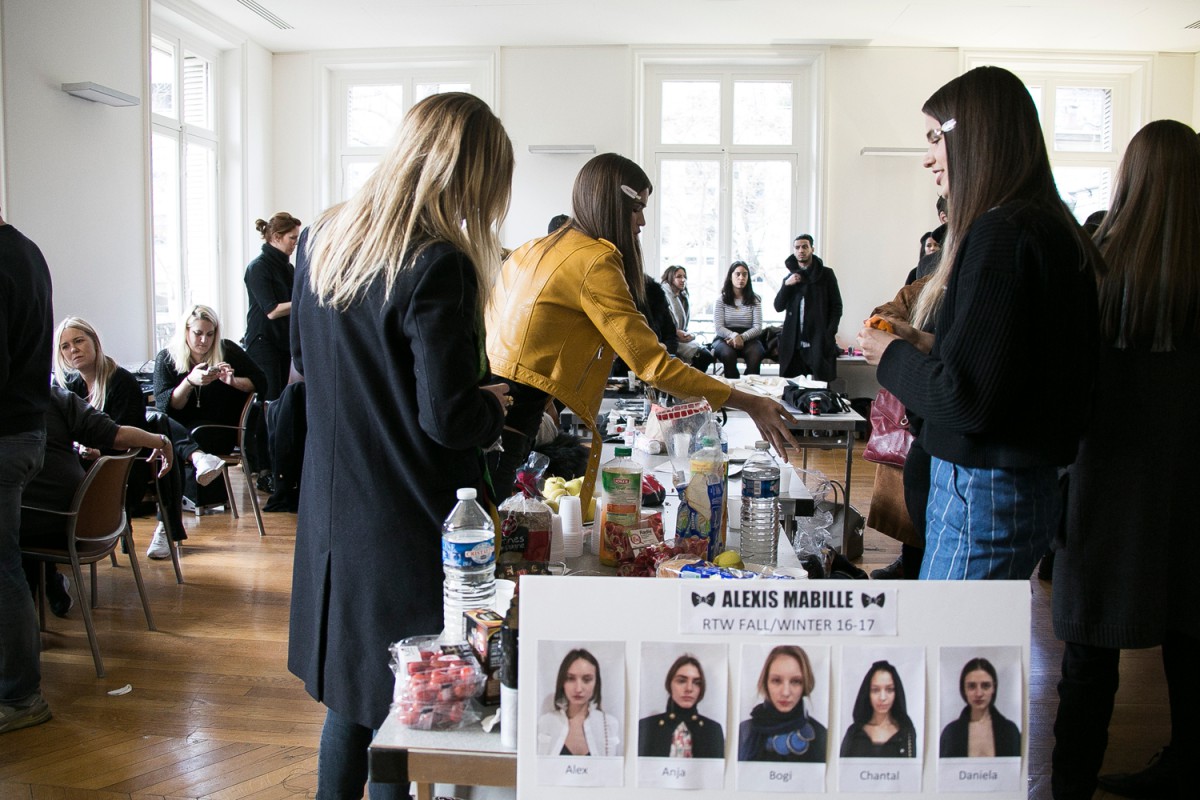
{"x": 435, "y": 684}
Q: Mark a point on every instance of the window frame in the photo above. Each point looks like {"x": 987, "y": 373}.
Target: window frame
{"x": 337, "y": 72}
{"x": 187, "y": 135}
{"x": 1127, "y": 76}
{"x": 804, "y": 68}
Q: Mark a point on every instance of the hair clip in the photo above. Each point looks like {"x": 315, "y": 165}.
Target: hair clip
{"x": 949, "y": 125}
{"x": 629, "y": 191}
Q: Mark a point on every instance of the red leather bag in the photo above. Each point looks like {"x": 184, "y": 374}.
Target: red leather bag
{"x": 890, "y": 437}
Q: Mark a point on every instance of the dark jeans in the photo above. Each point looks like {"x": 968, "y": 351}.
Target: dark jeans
{"x": 21, "y": 457}
{"x": 752, "y": 352}
{"x": 1086, "y": 693}
{"x": 342, "y": 763}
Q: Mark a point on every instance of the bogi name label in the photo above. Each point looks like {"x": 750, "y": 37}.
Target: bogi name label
{"x": 779, "y": 607}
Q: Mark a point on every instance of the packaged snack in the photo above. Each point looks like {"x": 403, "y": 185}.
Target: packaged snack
{"x": 435, "y": 684}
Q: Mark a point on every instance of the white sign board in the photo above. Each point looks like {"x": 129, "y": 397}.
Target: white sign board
{"x": 644, "y": 687}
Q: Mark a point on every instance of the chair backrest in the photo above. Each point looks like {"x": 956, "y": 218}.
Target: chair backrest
{"x": 244, "y": 421}
{"x": 99, "y": 504}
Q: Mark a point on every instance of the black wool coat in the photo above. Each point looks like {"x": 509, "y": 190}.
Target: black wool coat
{"x": 818, "y": 289}
{"x": 395, "y": 425}
{"x": 1122, "y": 577}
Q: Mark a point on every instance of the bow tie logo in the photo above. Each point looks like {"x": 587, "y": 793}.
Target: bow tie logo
{"x": 877, "y": 600}
{"x": 710, "y": 599}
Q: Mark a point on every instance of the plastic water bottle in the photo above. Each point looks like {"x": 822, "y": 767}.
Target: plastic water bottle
{"x": 760, "y": 507}
{"x": 469, "y": 563}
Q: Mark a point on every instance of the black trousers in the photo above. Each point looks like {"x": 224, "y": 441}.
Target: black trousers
{"x": 1086, "y": 693}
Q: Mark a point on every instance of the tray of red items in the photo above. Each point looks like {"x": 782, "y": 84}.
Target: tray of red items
{"x": 435, "y": 684}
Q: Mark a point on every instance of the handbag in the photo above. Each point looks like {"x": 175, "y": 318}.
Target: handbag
{"x": 890, "y": 437}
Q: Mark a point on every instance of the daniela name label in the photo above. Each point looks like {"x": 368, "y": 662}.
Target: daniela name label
{"x": 786, "y": 607}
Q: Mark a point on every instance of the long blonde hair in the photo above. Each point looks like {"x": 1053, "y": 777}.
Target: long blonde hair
{"x": 447, "y": 178}
{"x": 105, "y": 365}
{"x": 181, "y": 353}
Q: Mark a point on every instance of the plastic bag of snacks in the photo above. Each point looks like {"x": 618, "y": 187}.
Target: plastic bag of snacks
{"x": 625, "y": 543}
{"x": 645, "y": 562}
{"x": 435, "y": 684}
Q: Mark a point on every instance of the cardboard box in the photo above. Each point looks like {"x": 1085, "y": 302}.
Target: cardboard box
{"x": 483, "y": 634}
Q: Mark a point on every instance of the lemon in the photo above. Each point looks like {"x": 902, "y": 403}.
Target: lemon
{"x": 729, "y": 558}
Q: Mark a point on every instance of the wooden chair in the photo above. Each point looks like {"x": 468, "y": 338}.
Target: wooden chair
{"x": 95, "y": 524}
{"x": 238, "y": 456}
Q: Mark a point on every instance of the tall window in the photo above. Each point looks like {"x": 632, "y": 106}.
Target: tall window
{"x": 1089, "y": 109}
{"x": 732, "y": 152}
{"x": 1077, "y": 118}
{"x": 368, "y": 104}
{"x": 183, "y": 168}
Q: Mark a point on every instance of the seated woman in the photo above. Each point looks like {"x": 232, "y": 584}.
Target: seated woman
{"x": 203, "y": 379}
{"x": 681, "y": 731}
{"x": 980, "y": 731}
{"x": 69, "y": 420}
{"x": 780, "y": 728}
{"x": 578, "y": 726}
{"x": 81, "y": 367}
{"x": 881, "y": 727}
{"x": 737, "y": 318}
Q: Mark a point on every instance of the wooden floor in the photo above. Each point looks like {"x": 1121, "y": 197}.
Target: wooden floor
{"x": 213, "y": 711}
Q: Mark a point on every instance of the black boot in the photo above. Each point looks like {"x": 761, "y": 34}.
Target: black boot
{"x": 1160, "y": 778}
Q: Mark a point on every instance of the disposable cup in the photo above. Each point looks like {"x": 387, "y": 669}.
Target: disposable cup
{"x": 505, "y": 589}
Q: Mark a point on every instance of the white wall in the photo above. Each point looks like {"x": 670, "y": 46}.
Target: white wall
{"x": 877, "y": 207}
{"x": 75, "y": 172}
{"x": 560, "y": 95}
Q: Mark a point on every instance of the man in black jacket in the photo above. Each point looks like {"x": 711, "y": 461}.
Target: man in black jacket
{"x": 810, "y": 296}
{"x": 26, "y": 322}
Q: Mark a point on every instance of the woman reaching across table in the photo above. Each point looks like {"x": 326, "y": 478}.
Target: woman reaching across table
{"x": 1123, "y": 579}
{"x": 565, "y": 305}
{"x": 388, "y": 333}
{"x": 1016, "y": 276}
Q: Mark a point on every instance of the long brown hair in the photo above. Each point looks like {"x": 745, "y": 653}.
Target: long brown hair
{"x": 995, "y": 155}
{"x": 1150, "y": 236}
{"x": 603, "y": 210}
{"x": 447, "y": 178}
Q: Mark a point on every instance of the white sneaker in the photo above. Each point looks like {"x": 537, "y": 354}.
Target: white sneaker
{"x": 160, "y": 548}
{"x": 208, "y": 468}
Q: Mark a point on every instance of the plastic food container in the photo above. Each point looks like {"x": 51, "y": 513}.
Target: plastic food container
{"x": 435, "y": 684}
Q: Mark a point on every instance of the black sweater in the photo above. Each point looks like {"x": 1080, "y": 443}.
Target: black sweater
{"x": 26, "y": 323}
{"x": 1008, "y": 383}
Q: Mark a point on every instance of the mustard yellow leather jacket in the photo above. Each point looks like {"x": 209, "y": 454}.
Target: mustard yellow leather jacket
{"x": 558, "y": 317}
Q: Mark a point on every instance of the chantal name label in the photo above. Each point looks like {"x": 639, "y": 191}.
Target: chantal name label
{"x": 785, "y": 607}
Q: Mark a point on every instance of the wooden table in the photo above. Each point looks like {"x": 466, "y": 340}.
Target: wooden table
{"x": 467, "y": 757}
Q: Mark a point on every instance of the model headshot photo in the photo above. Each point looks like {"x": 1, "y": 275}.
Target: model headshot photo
{"x": 578, "y": 725}
{"x": 981, "y": 730}
{"x": 881, "y": 727}
{"x": 779, "y": 727}
{"x": 682, "y": 730}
